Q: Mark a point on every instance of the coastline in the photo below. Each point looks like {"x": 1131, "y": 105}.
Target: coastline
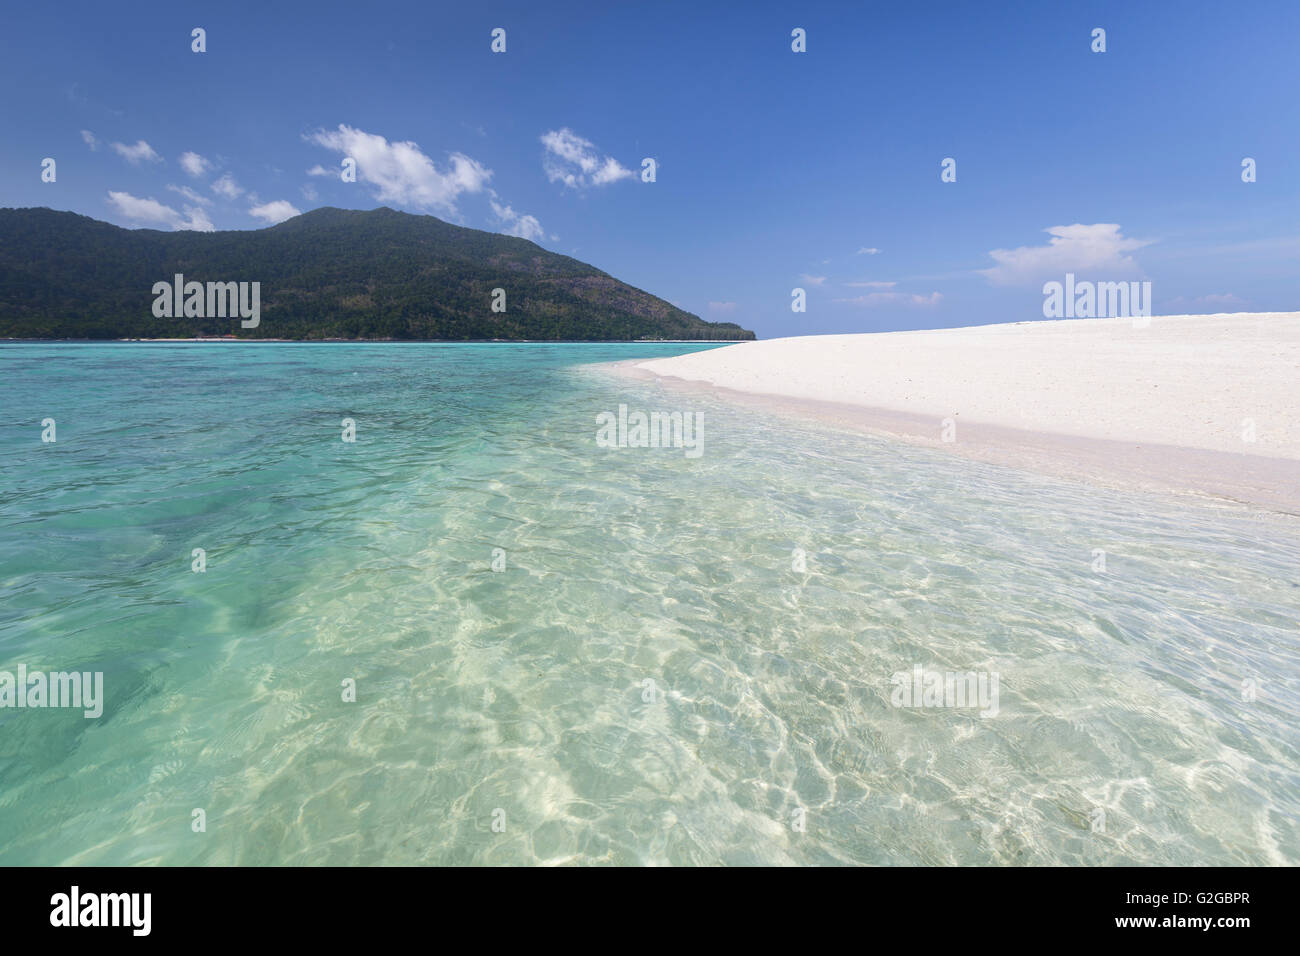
{"x": 1055, "y": 399}
{"x": 239, "y": 341}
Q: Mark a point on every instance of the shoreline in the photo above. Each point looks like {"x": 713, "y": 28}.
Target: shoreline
{"x": 1012, "y": 393}
{"x": 242, "y": 341}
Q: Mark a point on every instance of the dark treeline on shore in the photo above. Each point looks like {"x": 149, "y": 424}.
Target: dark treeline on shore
{"x": 327, "y": 274}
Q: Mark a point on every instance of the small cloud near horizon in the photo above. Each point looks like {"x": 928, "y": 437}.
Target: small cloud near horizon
{"x": 137, "y": 154}
{"x": 194, "y": 164}
{"x": 517, "y": 224}
{"x": 893, "y": 298}
{"x": 575, "y": 162}
{"x": 227, "y": 188}
{"x": 151, "y": 212}
{"x": 274, "y": 212}
{"x": 191, "y": 195}
{"x": 400, "y": 172}
{"x": 1098, "y": 249}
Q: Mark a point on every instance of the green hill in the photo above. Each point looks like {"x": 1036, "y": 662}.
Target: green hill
{"x": 329, "y": 273}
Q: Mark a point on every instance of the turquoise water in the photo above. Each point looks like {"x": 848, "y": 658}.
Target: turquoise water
{"x": 519, "y": 697}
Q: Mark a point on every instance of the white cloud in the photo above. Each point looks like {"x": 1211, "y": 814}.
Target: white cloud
{"x": 723, "y": 308}
{"x": 401, "y": 173}
{"x": 319, "y": 170}
{"x": 90, "y": 139}
{"x": 894, "y": 298}
{"x": 154, "y": 213}
{"x": 191, "y": 195}
{"x": 517, "y": 224}
{"x": 194, "y": 164}
{"x": 309, "y": 192}
{"x": 865, "y": 251}
{"x": 273, "y": 212}
{"x": 812, "y": 280}
{"x": 227, "y": 187}
{"x": 198, "y": 221}
{"x": 136, "y": 154}
{"x": 1098, "y": 249}
{"x": 871, "y": 285}
{"x": 574, "y": 161}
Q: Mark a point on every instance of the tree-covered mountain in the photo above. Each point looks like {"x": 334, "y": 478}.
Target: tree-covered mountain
{"x": 329, "y": 273}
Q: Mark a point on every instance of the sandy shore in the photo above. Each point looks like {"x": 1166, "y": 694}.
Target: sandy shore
{"x": 1206, "y": 403}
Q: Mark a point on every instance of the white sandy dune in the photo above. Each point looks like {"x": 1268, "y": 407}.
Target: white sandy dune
{"x": 1207, "y": 403}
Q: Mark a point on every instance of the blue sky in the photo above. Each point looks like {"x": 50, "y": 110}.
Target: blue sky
{"x": 775, "y": 169}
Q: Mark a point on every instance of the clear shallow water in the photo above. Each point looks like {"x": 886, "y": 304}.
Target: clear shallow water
{"x": 524, "y": 690}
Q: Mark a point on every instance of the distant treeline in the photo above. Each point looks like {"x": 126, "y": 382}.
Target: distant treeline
{"x": 329, "y": 273}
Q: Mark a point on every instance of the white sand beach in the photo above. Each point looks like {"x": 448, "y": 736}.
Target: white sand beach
{"x": 1195, "y": 403}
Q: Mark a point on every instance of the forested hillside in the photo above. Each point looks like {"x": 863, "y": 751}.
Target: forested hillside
{"x": 329, "y": 273}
